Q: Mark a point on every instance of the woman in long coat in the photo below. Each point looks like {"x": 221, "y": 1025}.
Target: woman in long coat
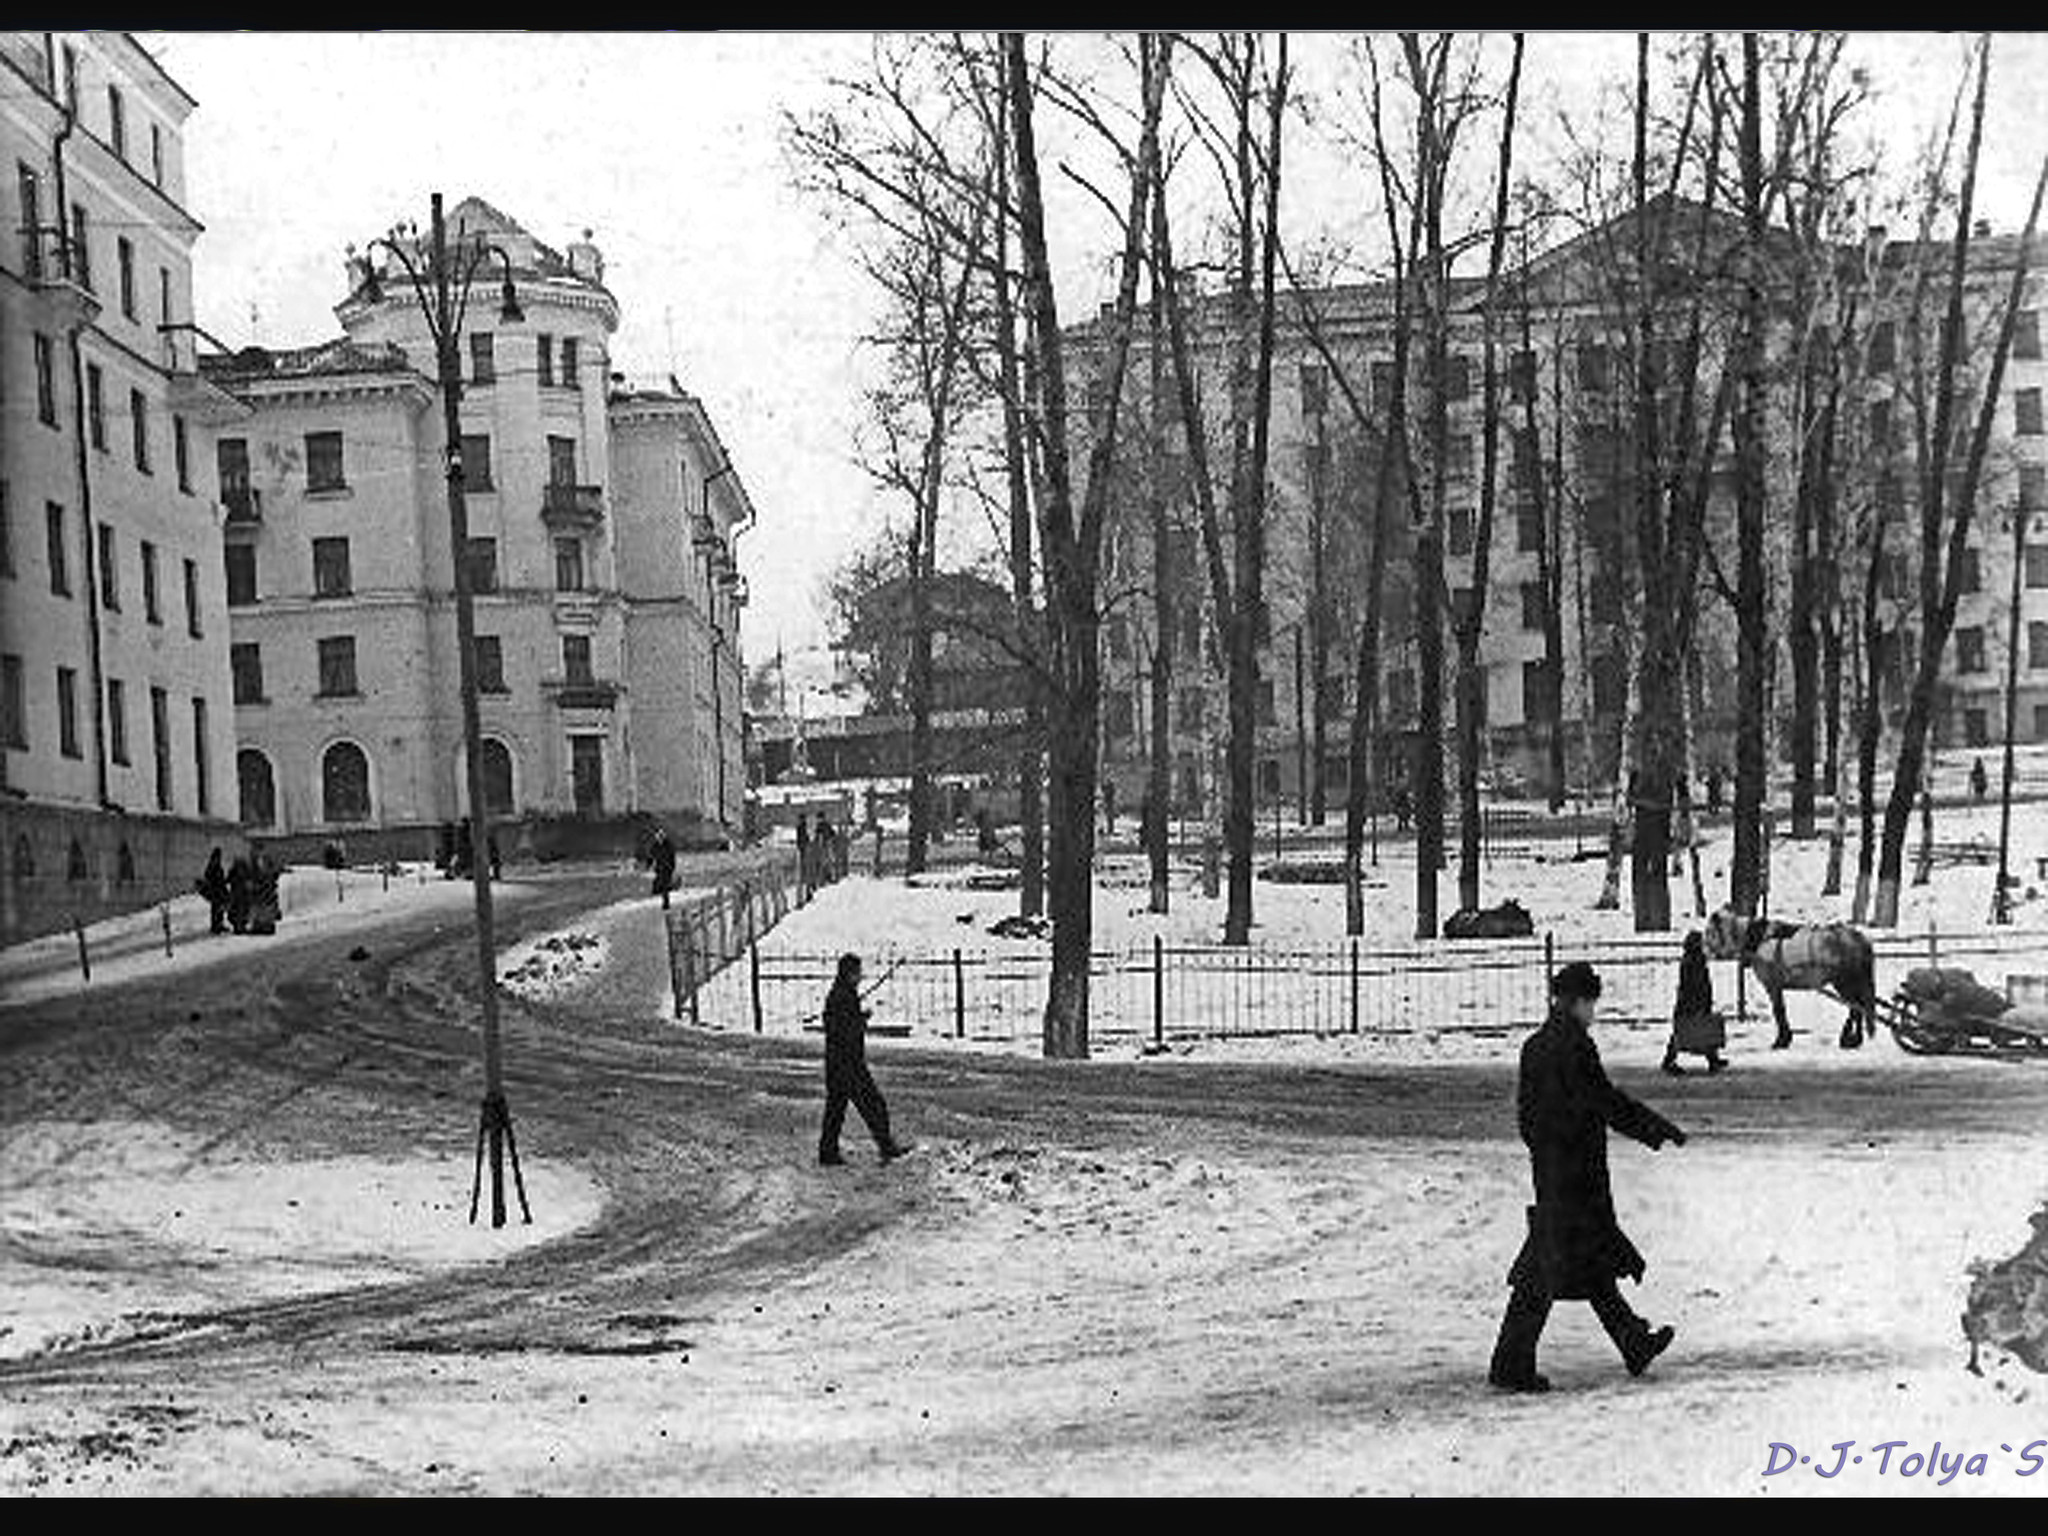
{"x": 1575, "y": 1250}
{"x": 1697, "y": 1028}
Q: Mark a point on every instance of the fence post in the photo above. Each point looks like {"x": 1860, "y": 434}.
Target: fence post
{"x": 166, "y": 911}
{"x": 1158, "y": 991}
{"x": 84, "y": 964}
{"x": 1741, "y": 990}
{"x": 387, "y": 874}
{"x": 690, "y": 978}
{"x": 754, "y": 968}
{"x": 959, "y": 998}
{"x": 1354, "y": 984}
{"x": 675, "y": 974}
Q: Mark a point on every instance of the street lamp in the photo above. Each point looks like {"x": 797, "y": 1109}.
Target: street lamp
{"x": 441, "y": 279}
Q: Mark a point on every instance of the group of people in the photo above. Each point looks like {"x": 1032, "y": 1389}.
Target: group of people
{"x": 821, "y": 856}
{"x": 241, "y": 895}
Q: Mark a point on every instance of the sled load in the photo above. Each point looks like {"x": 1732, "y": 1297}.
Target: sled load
{"x": 1945, "y": 1010}
{"x": 1509, "y": 920}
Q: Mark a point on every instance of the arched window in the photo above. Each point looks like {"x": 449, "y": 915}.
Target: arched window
{"x": 259, "y": 791}
{"x": 345, "y": 783}
{"x": 124, "y": 866}
{"x": 75, "y": 867}
{"x": 24, "y": 856}
{"x": 497, "y": 762}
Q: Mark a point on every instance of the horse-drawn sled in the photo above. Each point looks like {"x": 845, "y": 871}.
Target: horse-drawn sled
{"x": 1946, "y": 1011}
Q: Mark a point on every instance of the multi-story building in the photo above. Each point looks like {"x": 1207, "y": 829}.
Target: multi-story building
{"x": 600, "y": 530}
{"x": 116, "y": 727}
{"x": 1577, "y": 373}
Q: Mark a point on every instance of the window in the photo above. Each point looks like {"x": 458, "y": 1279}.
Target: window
{"x": 561, "y": 461}
{"x": 2034, "y": 558}
{"x": 71, "y": 78}
{"x": 586, "y": 773}
{"x": 181, "y": 454}
{"x": 245, "y": 666}
{"x": 568, "y": 565}
{"x": 1533, "y": 606}
{"x": 30, "y": 187}
{"x": 483, "y": 565}
{"x": 2033, "y": 488}
{"x": 331, "y": 575}
{"x": 490, "y": 665}
{"x": 117, "y": 720}
{"x": 240, "y": 561}
{"x": 13, "y": 705}
{"x": 2037, "y": 644}
{"x": 2026, "y": 405}
{"x": 1969, "y": 572}
{"x": 1458, "y": 456}
{"x": 259, "y": 791}
{"x": 2026, "y": 334}
{"x": 1880, "y": 424}
{"x": 1970, "y": 649}
{"x": 117, "y": 121}
{"x": 569, "y": 378}
{"x": 1462, "y": 599}
{"x": 483, "y": 363}
{"x": 67, "y": 712}
{"x": 124, "y": 252}
{"x": 81, "y": 249}
{"x": 152, "y": 596}
{"x": 95, "y": 407}
{"x": 1457, "y": 378}
{"x": 476, "y": 461}
{"x": 338, "y": 667}
{"x": 497, "y": 766}
{"x": 1382, "y": 383}
{"x": 1522, "y": 377}
{"x": 1528, "y": 529}
{"x": 576, "y": 659}
{"x": 1883, "y": 347}
{"x": 60, "y": 566}
{"x": 110, "y": 570}
{"x": 192, "y": 626}
{"x": 231, "y": 468}
{"x": 544, "y": 358}
{"x": 345, "y": 783}
{"x": 1593, "y": 367}
{"x": 1976, "y": 728}
{"x": 156, "y": 154}
{"x": 1461, "y": 530}
{"x": 323, "y": 462}
{"x": 202, "y": 779}
{"x": 46, "y": 381}
{"x": 138, "y": 415}
{"x": 1264, "y": 704}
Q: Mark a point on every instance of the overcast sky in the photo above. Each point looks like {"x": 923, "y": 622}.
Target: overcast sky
{"x": 669, "y": 147}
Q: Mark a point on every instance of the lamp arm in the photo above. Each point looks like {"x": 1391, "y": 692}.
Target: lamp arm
{"x": 413, "y": 274}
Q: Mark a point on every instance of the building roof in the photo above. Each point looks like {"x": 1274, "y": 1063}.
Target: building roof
{"x": 340, "y": 357}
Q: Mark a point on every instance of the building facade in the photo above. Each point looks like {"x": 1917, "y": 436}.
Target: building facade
{"x": 1576, "y": 374}
{"x": 116, "y": 721}
{"x": 585, "y": 557}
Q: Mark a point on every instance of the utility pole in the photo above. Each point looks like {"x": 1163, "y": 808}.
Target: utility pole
{"x": 2001, "y": 899}
{"x": 443, "y": 295}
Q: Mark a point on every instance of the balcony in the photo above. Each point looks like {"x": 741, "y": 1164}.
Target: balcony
{"x": 244, "y": 505}
{"x": 579, "y": 507}
{"x": 580, "y": 693}
{"x": 46, "y": 265}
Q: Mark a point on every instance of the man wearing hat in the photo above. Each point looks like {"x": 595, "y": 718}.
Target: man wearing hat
{"x": 1575, "y": 1250}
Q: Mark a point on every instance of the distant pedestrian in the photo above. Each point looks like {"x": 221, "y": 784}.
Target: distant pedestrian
{"x": 1697, "y": 1028}
{"x": 465, "y": 852}
{"x": 1980, "y": 782}
{"x": 1575, "y": 1250}
{"x": 1404, "y": 807}
{"x": 661, "y": 857}
{"x": 803, "y": 853}
{"x": 491, "y": 847}
{"x": 847, "y": 1079}
{"x": 1714, "y": 790}
{"x": 240, "y": 878}
{"x": 213, "y": 885}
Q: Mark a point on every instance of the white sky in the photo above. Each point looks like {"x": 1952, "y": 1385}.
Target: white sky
{"x": 668, "y": 146}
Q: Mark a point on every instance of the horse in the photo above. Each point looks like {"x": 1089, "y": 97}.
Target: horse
{"x": 1793, "y": 957}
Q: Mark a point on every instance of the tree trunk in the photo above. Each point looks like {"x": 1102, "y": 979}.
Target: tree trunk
{"x": 920, "y": 688}
{"x": 1319, "y": 630}
{"x": 1166, "y": 615}
{"x": 1752, "y": 639}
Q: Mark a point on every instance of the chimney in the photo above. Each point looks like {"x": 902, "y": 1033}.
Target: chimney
{"x": 586, "y": 260}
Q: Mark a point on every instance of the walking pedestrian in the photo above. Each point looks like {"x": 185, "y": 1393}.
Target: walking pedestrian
{"x": 1697, "y": 1028}
{"x": 662, "y": 855}
{"x": 1980, "y": 782}
{"x": 213, "y": 885}
{"x": 491, "y": 845}
{"x": 240, "y": 880}
{"x": 1575, "y": 1250}
{"x": 847, "y": 1079}
{"x": 465, "y": 852}
{"x": 803, "y": 853}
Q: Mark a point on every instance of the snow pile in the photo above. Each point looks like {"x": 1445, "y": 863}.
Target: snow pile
{"x": 2008, "y": 1307}
{"x": 546, "y": 968}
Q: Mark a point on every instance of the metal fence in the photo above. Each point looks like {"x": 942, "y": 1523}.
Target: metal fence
{"x": 707, "y": 935}
{"x": 1168, "y": 992}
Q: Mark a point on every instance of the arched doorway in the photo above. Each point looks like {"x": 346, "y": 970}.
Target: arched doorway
{"x": 259, "y": 788}
{"x": 344, "y": 783}
{"x": 497, "y": 766}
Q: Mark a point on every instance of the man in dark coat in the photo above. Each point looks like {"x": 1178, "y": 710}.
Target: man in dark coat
{"x": 803, "y": 852}
{"x": 213, "y": 885}
{"x": 240, "y": 882}
{"x": 847, "y": 1079}
{"x": 1575, "y": 1249}
{"x": 662, "y": 855}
